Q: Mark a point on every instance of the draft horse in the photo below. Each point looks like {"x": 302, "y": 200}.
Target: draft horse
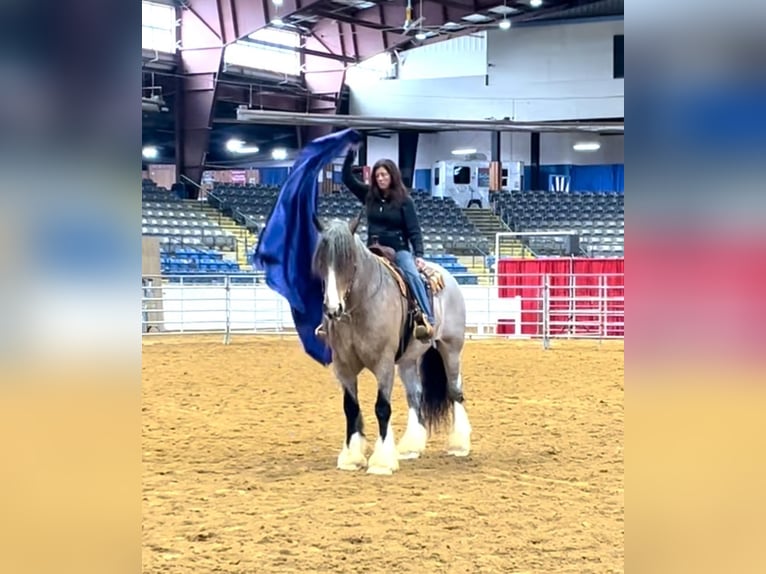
{"x": 368, "y": 319}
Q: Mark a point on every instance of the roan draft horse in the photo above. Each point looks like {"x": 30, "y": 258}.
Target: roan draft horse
{"x": 367, "y": 315}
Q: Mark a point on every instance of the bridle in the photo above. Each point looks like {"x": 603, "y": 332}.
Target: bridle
{"x": 346, "y": 313}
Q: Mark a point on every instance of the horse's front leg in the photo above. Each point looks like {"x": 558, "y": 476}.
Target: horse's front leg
{"x": 413, "y": 441}
{"x": 385, "y": 458}
{"x": 352, "y": 456}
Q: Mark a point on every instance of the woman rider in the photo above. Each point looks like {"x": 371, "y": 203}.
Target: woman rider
{"x": 393, "y": 220}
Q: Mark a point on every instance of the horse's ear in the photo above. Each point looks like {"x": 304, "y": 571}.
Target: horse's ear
{"x": 317, "y": 223}
{"x": 354, "y": 223}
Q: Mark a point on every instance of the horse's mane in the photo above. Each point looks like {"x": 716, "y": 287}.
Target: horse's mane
{"x": 337, "y": 248}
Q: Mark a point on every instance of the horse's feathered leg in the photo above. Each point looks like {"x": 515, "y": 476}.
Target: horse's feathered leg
{"x": 384, "y": 459}
{"x": 352, "y": 456}
{"x": 459, "y": 442}
{"x": 413, "y": 441}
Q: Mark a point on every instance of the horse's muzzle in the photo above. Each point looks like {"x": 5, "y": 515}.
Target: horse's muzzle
{"x": 333, "y": 314}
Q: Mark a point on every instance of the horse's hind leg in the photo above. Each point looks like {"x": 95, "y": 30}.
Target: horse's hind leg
{"x": 413, "y": 441}
{"x": 384, "y": 459}
{"x": 352, "y": 456}
{"x": 459, "y": 442}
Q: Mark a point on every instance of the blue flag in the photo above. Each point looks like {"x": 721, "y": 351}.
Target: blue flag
{"x": 287, "y": 242}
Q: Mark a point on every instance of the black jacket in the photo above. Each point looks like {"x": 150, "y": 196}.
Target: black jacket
{"x": 395, "y": 226}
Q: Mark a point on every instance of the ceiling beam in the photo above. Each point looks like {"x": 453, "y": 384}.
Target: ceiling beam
{"x": 368, "y": 122}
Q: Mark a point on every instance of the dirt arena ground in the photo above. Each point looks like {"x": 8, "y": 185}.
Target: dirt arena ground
{"x": 240, "y": 444}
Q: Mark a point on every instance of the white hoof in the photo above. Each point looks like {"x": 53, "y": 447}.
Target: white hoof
{"x": 352, "y": 456}
{"x": 385, "y": 458}
{"x": 413, "y": 442}
{"x": 459, "y": 442}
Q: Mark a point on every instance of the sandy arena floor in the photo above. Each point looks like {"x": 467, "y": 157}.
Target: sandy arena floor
{"x": 240, "y": 444}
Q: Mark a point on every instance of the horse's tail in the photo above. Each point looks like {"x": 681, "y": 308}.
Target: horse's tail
{"x": 436, "y": 403}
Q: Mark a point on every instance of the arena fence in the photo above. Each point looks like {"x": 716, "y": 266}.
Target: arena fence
{"x": 546, "y": 306}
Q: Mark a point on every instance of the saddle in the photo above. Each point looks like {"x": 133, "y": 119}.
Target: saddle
{"x": 433, "y": 280}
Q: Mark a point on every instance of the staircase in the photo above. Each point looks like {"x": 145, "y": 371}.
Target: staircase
{"x": 246, "y": 241}
{"x": 488, "y": 225}
{"x": 475, "y": 266}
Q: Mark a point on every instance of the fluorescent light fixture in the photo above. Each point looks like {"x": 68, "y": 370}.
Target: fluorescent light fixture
{"x": 464, "y": 151}
{"x": 150, "y": 152}
{"x": 238, "y": 146}
{"x": 586, "y": 146}
{"x": 279, "y": 153}
{"x": 234, "y": 144}
{"x": 535, "y": 3}
{"x": 504, "y": 24}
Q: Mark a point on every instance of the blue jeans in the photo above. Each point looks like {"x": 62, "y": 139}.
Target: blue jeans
{"x": 406, "y": 263}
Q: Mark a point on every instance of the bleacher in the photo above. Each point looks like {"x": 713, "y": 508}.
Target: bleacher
{"x": 167, "y": 216}
{"x": 176, "y": 260}
{"x": 599, "y": 218}
{"x": 190, "y": 241}
{"x": 444, "y": 225}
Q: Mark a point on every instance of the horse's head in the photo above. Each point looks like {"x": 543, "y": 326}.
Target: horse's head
{"x": 335, "y": 261}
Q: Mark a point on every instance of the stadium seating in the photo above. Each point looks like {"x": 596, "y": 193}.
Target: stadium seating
{"x": 599, "y": 218}
{"x": 444, "y": 225}
{"x": 190, "y": 241}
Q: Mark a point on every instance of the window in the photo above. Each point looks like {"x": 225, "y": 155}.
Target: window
{"x": 158, "y": 27}
{"x": 461, "y": 175}
{"x": 379, "y": 67}
{"x": 437, "y": 171}
{"x": 618, "y": 56}
{"x": 282, "y": 57}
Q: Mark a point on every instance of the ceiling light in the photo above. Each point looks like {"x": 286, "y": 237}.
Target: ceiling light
{"x": 278, "y": 2}
{"x": 279, "y": 153}
{"x": 464, "y": 151}
{"x": 504, "y": 24}
{"x": 535, "y": 3}
{"x": 278, "y": 22}
{"x": 150, "y": 152}
{"x": 238, "y": 146}
{"x": 586, "y": 146}
{"x": 420, "y": 36}
{"x": 234, "y": 145}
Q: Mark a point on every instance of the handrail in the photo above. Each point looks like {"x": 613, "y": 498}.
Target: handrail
{"x": 194, "y": 183}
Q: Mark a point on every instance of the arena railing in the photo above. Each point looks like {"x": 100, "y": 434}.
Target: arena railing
{"x": 542, "y": 307}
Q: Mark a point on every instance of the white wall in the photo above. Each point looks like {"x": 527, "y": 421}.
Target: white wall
{"x": 563, "y": 69}
{"x": 536, "y": 73}
{"x": 462, "y": 56}
{"x": 382, "y": 148}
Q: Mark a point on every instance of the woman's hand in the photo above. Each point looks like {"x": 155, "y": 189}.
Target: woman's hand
{"x": 420, "y": 263}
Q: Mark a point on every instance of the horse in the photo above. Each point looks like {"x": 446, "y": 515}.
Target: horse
{"x": 365, "y": 313}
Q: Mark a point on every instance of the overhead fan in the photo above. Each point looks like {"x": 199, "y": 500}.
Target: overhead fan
{"x": 472, "y": 23}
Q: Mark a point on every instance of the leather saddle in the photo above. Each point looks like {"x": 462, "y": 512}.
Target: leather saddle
{"x": 433, "y": 280}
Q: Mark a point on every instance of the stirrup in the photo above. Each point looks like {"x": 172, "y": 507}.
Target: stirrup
{"x": 320, "y": 331}
{"x": 424, "y": 331}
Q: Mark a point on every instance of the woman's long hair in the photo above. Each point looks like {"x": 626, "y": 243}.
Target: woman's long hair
{"x": 396, "y": 190}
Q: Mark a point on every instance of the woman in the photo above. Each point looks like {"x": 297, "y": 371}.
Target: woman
{"x": 393, "y": 220}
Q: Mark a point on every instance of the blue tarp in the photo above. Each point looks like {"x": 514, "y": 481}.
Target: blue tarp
{"x": 287, "y": 241}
